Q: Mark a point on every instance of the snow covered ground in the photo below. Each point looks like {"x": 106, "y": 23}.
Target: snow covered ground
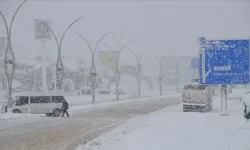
{"x": 122, "y": 102}
{"x": 87, "y": 122}
{"x": 129, "y": 84}
{"x": 170, "y": 128}
{"x": 81, "y": 100}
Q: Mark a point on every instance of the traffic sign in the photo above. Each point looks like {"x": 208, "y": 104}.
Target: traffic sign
{"x": 42, "y": 29}
{"x": 224, "y": 61}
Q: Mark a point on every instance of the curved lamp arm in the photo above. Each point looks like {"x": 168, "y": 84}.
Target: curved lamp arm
{"x": 158, "y": 60}
{"x": 101, "y": 40}
{"x": 133, "y": 54}
{"x": 116, "y": 57}
{"x": 65, "y": 31}
{"x": 165, "y": 56}
{"x": 159, "y": 63}
{"x": 109, "y": 48}
{"x": 14, "y": 16}
{"x": 144, "y": 52}
{"x": 5, "y": 23}
{"x": 124, "y": 47}
{"x": 91, "y": 52}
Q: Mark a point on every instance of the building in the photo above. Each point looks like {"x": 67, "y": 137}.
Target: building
{"x": 177, "y": 70}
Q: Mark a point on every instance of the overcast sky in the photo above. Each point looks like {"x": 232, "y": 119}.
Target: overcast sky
{"x": 170, "y": 26}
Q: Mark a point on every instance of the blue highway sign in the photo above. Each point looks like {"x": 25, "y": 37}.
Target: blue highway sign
{"x": 224, "y": 61}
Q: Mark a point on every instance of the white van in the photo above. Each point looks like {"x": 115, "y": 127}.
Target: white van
{"x": 48, "y": 103}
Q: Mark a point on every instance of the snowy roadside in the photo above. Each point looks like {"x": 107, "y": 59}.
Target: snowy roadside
{"x": 121, "y": 102}
{"x": 237, "y": 93}
{"x": 170, "y": 128}
{"x": 86, "y": 107}
{"x": 82, "y": 100}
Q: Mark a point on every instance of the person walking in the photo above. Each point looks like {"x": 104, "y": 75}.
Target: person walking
{"x": 65, "y": 108}
{"x": 246, "y": 106}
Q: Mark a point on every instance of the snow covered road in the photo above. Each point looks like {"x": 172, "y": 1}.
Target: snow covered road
{"x": 172, "y": 129}
{"x": 49, "y": 133}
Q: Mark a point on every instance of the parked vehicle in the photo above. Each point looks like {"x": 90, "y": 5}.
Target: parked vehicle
{"x": 197, "y": 98}
{"x": 48, "y": 103}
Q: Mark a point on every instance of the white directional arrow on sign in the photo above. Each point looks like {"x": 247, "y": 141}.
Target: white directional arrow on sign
{"x": 204, "y": 73}
{"x": 203, "y": 44}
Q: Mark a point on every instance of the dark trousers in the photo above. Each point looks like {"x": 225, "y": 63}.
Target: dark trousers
{"x": 65, "y": 111}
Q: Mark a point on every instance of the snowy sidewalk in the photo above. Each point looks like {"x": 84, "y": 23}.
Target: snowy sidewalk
{"x": 173, "y": 129}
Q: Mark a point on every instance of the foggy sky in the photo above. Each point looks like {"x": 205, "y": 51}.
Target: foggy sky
{"x": 169, "y": 26}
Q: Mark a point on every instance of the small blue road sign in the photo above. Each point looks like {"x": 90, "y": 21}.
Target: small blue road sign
{"x": 224, "y": 61}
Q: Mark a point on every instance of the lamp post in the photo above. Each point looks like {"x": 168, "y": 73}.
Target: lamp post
{"x": 161, "y": 74}
{"x": 138, "y": 69}
{"x": 9, "y": 59}
{"x": 117, "y": 72}
{"x": 59, "y": 62}
{"x": 92, "y": 67}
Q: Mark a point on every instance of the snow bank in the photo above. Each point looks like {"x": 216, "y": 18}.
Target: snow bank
{"x": 129, "y": 84}
{"x": 170, "y": 128}
{"x": 237, "y": 93}
{"x": 82, "y": 100}
{"x": 121, "y": 102}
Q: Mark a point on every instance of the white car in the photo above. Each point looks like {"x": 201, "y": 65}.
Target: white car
{"x": 48, "y": 103}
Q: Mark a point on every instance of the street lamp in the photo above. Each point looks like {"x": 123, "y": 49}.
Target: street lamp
{"x": 59, "y": 62}
{"x": 117, "y": 72}
{"x": 9, "y": 59}
{"x": 161, "y": 74}
{"x": 139, "y": 69}
{"x": 92, "y": 67}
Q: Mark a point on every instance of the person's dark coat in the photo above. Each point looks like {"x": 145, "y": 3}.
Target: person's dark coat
{"x": 246, "y": 114}
{"x": 65, "y": 105}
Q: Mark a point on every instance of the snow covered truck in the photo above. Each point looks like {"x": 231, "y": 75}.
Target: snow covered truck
{"x": 197, "y": 98}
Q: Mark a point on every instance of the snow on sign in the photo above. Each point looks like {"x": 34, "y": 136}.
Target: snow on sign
{"x": 224, "y": 61}
{"x": 42, "y": 29}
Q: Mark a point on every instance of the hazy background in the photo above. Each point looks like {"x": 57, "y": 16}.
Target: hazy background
{"x": 170, "y": 26}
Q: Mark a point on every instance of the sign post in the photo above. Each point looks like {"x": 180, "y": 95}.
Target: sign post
{"x": 224, "y": 62}
{"x": 195, "y": 65}
{"x": 42, "y": 32}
